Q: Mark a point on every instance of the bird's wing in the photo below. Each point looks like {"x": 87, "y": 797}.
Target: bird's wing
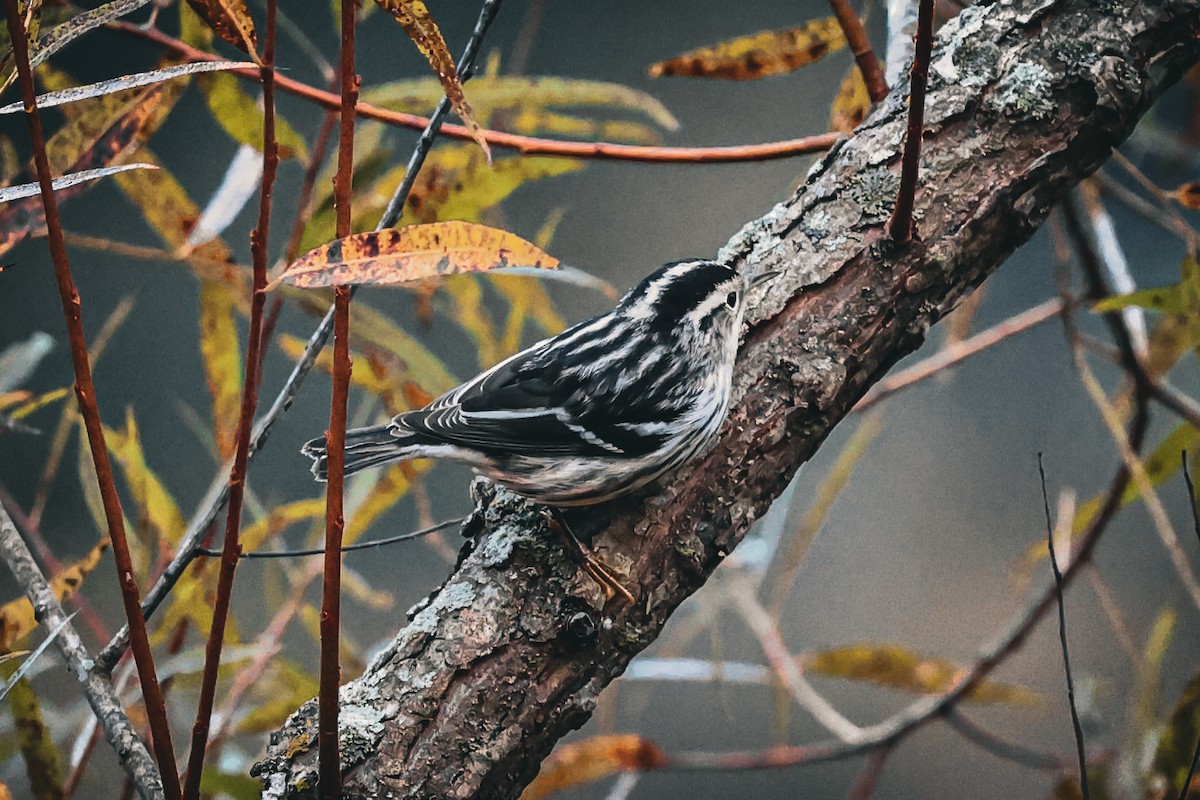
{"x": 536, "y": 403}
{"x": 510, "y": 414}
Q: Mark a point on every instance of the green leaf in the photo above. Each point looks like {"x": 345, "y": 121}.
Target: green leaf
{"x": 1167, "y": 299}
{"x": 240, "y": 116}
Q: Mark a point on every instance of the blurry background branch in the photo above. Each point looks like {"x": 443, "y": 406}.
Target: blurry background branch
{"x": 489, "y": 674}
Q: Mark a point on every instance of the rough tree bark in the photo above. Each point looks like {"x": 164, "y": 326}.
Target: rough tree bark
{"x": 510, "y": 654}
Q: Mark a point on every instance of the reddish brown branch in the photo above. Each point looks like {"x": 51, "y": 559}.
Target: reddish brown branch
{"x": 330, "y": 770}
{"x": 900, "y": 226}
{"x": 864, "y": 56}
{"x": 85, "y": 392}
{"x": 527, "y": 145}
{"x": 232, "y": 548}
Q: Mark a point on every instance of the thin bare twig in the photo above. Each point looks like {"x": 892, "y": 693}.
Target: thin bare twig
{"x": 350, "y": 548}
{"x": 1009, "y": 751}
{"x": 784, "y": 663}
{"x": 960, "y": 351}
{"x": 900, "y": 226}
{"x": 868, "y": 777}
{"x": 528, "y": 145}
{"x": 237, "y": 475}
{"x": 85, "y": 392}
{"x": 130, "y": 749}
{"x": 860, "y": 46}
{"x": 1080, "y": 751}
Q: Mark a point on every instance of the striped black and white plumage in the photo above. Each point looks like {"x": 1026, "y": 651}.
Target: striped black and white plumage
{"x": 594, "y": 412}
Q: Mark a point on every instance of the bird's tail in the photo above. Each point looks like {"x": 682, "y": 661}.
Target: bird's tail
{"x": 365, "y": 447}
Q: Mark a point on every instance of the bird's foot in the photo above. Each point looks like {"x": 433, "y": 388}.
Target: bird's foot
{"x": 592, "y": 564}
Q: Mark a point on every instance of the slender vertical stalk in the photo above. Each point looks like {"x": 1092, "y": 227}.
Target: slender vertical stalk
{"x": 900, "y": 226}
{"x": 860, "y": 46}
{"x": 1080, "y": 750}
{"x": 330, "y": 771}
{"x": 85, "y": 393}
{"x": 237, "y": 476}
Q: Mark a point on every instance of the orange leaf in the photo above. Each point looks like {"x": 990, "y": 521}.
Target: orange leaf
{"x": 592, "y": 759}
{"x": 229, "y": 19}
{"x": 758, "y": 55}
{"x": 414, "y": 17}
{"x": 851, "y": 104}
{"x": 413, "y": 253}
{"x": 1188, "y": 195}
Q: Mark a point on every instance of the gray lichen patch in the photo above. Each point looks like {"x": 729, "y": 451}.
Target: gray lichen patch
{"x": 1024, "y": 91}
{"x": 875, "y": 192}
{"x": 497, "y": 548}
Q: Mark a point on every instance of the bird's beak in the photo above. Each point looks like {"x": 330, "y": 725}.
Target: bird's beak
{"x": 763, "y": 277}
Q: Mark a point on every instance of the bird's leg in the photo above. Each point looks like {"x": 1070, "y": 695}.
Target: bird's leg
{"x": 600, "y": 572}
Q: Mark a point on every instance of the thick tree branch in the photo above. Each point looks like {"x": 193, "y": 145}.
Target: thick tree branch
{"x": 1025, "y": 99}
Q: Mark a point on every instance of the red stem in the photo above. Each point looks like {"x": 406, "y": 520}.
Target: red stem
{"x": 85, "y": 392}
{"x": 900, "y": 226}
{"x": 232, "y": 548}
{"x": 329, "y": 768}
{"x": 860, "y": 46}
{"x": 527, "y": 145}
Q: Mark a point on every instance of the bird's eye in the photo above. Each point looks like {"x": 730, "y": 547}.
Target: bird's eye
{"x": 731, "y": 299}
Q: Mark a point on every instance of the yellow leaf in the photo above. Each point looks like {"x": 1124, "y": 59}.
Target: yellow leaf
{"x": 592, "y": 759}
{"x": 371, "y": 329}
{"x": 467, "y": 296}
{"x": 171, "y": 214}
{"x": 152, "y": 499}
{"x": 229, "y": 19}
{"x": 222, "y": 361}
{"x": 240, "y": 116}
{"x": 515, "y": 94}
{"x": 392, "y": 485}
{"x": 16, "y": 616}
{"x": 279, "y": 519}
{"x": 286, "y": 687}
{"x": 900, "y": 668}
{"x": 414, "y": 17}
{"x": 758, "y": 55}
{"x": 413, "y": 253}
{"x": 42, "y": 761}
{"x": 852, "y": 103}
{"x": 31, "y": 405}
{"x": 454, "y": 184}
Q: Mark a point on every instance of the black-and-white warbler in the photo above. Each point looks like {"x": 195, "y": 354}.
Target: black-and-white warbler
{"x": 594, "y": 412}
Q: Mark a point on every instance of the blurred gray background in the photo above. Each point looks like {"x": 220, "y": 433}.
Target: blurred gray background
{"x": 919, "y": 550}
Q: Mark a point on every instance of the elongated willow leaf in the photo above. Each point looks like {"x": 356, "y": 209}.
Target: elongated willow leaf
{"x": 229, "y": 19}
{"x": 758, "y": 55}
{"x": 413, "y": 253}
{"x": 32, "y": 658}
{"x": 414, "y": 17}
{"x": 10, "y": 193}
{"x": 77, "y": 93}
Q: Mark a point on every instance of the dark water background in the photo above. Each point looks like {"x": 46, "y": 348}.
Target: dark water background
{"x": 920, "y": 548}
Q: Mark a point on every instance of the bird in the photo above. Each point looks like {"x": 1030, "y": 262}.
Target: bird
{"x": 593, "y": 413}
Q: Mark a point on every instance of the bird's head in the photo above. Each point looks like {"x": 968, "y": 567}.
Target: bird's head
{"x": 699, "y": 301}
